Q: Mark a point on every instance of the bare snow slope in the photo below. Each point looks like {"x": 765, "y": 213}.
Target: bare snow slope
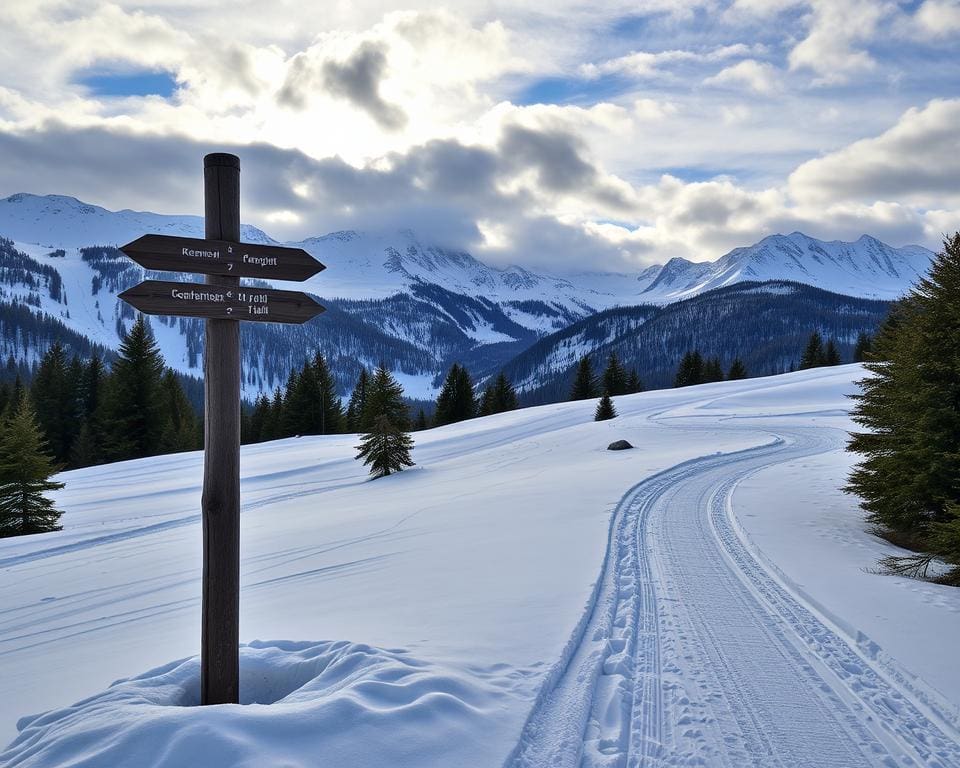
{"x": 430, "y": 619}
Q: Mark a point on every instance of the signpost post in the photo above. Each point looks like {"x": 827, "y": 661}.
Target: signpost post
{"x": 223, "y": 302}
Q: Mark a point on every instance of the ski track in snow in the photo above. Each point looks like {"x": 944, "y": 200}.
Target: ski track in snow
{"x": 694, "y": 652}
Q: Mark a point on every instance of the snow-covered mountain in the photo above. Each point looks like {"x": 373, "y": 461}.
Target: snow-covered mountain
{"x": 867, "y": 268}
{"x": 390, "y": 296}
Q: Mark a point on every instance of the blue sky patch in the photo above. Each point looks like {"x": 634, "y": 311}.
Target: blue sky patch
{"x": 572, "y": 90}
{"x": 142, "y": 83}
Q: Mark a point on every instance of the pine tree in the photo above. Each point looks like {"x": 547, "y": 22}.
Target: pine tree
{"x": 135, "y": 407}
{"x": 813, "y": 355}
{"x": 605, "y": 409}
{"x": 499, "y": 396}
{"x": 180, "y": 421}
{"x": 357, "y": 401}
{"x": 299, "y": 399}
{"x": 421, "y": 423}
{"x": 385, "y": 398}
{"x": 862, "y": 348}
{"x": 712, "y": 370}
{"x": 615, "y": 377}
{"x": 831, "y": 355}
{"x": 690, "y": 370}
{"x": 25, "y": 471}
{"x": 386, "y": 445}
{"x": 385, "y": 448}
{"x": 634, "y": 383}
{"x": 909, "y": 478}
{"x": 584, "y": 382}
{"x": 331, "y": 409}
{"x": 259, "y": 419}
{"x": 737, "y": 370}
{"x": 456, "y": 401}
{"x": 55, "y": 399}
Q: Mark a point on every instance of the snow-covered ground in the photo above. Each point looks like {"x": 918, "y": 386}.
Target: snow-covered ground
{"x": 521, "y": 597}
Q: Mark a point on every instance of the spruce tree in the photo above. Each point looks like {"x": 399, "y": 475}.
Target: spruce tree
{"x": 385, "y": 448}
{"x": 690, "y": 370}
{"x": 421, "y": 423}
{"x": 813, "y": 354}
{"x": 831, "y": 355}
{"x": 634, "y": 384}
{"x": 385, "y": 398}
{"x": 355, "y": 407}
{"x": 386, "y": 445}
{"x": 135, "y": 406}
{"x": 25, "y": 471}
{"x": 259, "y": 419}
{"x": 499, "y": 396}
{"x": 614, "y": 377}
{"x": 456, "y": 401}
{"x": 909, "y": 478}
{"x": 584, "y": 382}
{"x": 179, "y": 419}
{"x": 54, "y": 396}
{"x": 712, "y": 370}
{"x": 605, "y": 409}
{"x": 331, "y": 409}
{"x": 737, "y": 370}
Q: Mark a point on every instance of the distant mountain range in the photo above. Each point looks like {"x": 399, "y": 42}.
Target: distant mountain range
{"x": 391, "y": 297}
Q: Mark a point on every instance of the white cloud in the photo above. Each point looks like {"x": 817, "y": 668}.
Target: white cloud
{"x": 833, "y": 46}
{"x": 645, "y": 64}
{"x": 916, "y": 161}
{"x": 938, "y": 18}
{"x": 760, "y": 77}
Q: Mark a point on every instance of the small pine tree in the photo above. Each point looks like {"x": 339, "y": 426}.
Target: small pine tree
{"x": 813, "y": 355}
{"x": 55, "y": 398}
{"x": 615, "y": 376}
{"x": 605, "y": 409}
{"x": 331, "y": 409}
{"x": 690, "y": 370}
{"x": 357, "y": 401}
{"x": 498, "y": 397}
{"x": 25, "y": 471}
{"x": 386, "y": 445}
{"x": 456, "y": 401}
{"x": 180, "y": 421}
{"x": 634, "y": 383}
{"x": 134, "y": 402}
{"x": 385, "y": 448}
{"x": 712, "y": 371}
{"x": 584, "y": 382}
{"x": 421, "y": 423}
{"x": 831, "y": 355}
{"x": 737, "y": 370}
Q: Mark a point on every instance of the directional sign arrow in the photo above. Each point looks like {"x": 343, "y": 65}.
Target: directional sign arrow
{"x": 263, "y": 305}
{"x": 219, "y": 257}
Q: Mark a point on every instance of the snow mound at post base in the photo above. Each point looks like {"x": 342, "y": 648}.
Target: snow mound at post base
{"x": 302, "y": 704}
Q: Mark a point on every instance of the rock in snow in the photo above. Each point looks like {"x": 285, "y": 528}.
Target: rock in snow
{"x": 619, "y": 445}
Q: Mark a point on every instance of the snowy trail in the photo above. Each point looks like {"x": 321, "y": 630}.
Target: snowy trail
{"x": 692, "y": 652}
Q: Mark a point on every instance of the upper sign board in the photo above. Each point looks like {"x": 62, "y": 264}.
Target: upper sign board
{"x": 167, "y": 253}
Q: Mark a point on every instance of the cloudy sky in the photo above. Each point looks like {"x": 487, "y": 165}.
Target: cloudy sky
{"x": 558, "y": 135}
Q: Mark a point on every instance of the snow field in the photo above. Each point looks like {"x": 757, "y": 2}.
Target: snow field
{"x": 433, "y": 618}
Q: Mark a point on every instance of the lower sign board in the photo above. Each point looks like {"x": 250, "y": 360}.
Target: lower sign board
{"x": 265, "y": 305}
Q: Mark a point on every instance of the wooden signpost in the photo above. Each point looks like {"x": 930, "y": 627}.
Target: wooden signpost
{"x": 223, "y": 302}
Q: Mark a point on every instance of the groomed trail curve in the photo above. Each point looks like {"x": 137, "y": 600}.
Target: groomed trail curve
{"x": 694, "y": 652}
